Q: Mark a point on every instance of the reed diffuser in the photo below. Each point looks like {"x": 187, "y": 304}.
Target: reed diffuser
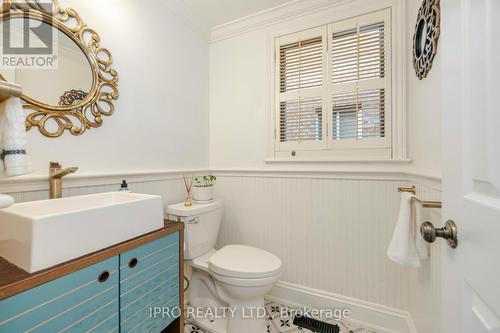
{"x": 188, "y": 182}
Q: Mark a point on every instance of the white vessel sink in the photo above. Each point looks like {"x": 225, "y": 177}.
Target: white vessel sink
{"x": 40, "y": 234}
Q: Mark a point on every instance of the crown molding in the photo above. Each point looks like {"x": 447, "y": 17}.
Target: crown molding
{"x": 260, "y": 20}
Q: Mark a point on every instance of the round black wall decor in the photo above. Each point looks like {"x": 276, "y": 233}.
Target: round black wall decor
{"x": 426, "y": 36}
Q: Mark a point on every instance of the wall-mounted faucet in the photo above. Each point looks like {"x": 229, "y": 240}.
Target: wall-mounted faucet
{"x": 56, "y": 172}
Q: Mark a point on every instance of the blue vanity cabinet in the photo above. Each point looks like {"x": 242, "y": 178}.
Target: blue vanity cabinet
{"x": 83, "y": 301}
{"x": 135, "y": 291}
{"x": 149, "y": 286}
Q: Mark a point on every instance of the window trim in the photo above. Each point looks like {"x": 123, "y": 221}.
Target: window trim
{"x": 396, "y": 150}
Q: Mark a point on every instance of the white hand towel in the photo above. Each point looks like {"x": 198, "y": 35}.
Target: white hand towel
{"x": 402, "y": 249}
{"x": 420, "y": 244}
{"x": 13, "y": 138}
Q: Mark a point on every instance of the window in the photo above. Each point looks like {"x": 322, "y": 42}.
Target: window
{"x": 302, "y": 59}
{"x": 333, "y": 90}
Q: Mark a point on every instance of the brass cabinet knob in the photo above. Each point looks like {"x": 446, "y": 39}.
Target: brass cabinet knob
{"x": 448, "y": 232}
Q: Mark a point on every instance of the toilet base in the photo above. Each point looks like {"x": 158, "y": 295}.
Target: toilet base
{"x": 216, "y": 326}
{"x": 247, "y": 318}
{"x": 232, "y": 315}
{"x": 230, "y": 325}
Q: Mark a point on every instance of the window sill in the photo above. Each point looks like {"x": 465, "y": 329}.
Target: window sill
{"x": 338, "y": 160}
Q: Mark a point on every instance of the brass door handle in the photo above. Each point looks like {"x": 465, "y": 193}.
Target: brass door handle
{"x": 448, "y": 232}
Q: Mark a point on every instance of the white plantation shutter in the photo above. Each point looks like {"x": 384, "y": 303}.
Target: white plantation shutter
{"x": 333, "y": 87}
{"x": 359, "y": 83}
{"x": 359, "y": 53}
{"x": 301, "y": 74}
{"x": 301, "y": 64}
{"x": 301, "y": 119}
{"x": 359, "y": 115}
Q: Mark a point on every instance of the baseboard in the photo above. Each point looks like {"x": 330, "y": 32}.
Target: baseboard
{"x": 380, "y": 318}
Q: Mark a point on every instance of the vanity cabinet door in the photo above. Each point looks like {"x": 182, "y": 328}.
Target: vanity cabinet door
{"x": 84, "y": 301}
{"x": 149, "y": 280}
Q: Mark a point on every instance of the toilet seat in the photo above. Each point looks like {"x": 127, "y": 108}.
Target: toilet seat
{"x": 242, "y": 282}
{"x": 202, "y": 262}
{"x": 244, "y": 262}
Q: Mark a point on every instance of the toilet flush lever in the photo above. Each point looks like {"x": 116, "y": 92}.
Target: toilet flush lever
{"x": 193, "y": 221}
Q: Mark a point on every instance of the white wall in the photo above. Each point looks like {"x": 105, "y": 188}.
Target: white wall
{"x": 240, "y": 102}
{"x": 424, "y": 108}
{"x": 331, "y": 231}
{"x": 307, "y": 218}
{"x": 161, "y": 118}
{"x": 424, "y": 297}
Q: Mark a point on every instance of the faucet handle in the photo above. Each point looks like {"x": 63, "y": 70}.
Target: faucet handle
{"x": 55, "y": 166}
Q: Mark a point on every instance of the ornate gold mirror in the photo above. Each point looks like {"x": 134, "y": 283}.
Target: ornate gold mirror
{"x": 72, "y": 87}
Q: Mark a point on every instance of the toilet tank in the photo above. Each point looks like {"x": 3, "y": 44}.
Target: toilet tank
{"x": 202, "y": 224}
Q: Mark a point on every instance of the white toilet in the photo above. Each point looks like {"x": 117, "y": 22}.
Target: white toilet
{"x": 236, "y": 277}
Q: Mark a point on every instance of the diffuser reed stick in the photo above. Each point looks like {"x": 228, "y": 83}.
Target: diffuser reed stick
{"x": 189, "y": 186}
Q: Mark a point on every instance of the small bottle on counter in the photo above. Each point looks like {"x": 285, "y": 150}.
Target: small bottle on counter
{"x": 124, "y": 186}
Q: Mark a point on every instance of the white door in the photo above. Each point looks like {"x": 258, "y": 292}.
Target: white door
{"x": 470, "y": 46}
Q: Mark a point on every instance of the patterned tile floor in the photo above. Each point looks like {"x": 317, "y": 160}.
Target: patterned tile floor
{"x": 279, "y": 320}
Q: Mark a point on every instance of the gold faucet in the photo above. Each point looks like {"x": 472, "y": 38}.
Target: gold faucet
{"x": 56, "y": 172}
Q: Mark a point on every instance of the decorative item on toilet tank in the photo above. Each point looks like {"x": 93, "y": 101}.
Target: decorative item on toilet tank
{"x": 203, "y": 188}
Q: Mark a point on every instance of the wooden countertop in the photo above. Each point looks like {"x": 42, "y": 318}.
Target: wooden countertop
{"x": 14, "y": 280}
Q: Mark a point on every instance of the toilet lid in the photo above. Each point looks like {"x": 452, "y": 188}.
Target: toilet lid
{"x": 242, "y": 261}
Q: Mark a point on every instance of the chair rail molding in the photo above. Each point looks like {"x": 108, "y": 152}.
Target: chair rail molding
{"x": 431, "y": 181}
{"x": 40, "y": 182}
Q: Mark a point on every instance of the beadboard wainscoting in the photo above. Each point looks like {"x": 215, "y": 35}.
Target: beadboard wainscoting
{"x": 330, "y": 229}
{"x": 424, "y": 303}
{"x": 332, "y": 233}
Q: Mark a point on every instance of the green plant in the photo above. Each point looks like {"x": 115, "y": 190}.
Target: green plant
{"x": 205, "y": 181}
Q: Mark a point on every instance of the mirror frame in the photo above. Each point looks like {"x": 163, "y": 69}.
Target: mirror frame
{"x": 428, "y": 26}
{"x": 99, "y": 101}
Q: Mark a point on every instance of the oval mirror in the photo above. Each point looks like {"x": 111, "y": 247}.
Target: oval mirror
{"x": 75, "y": 86}
{"x": 65, "y": 84}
